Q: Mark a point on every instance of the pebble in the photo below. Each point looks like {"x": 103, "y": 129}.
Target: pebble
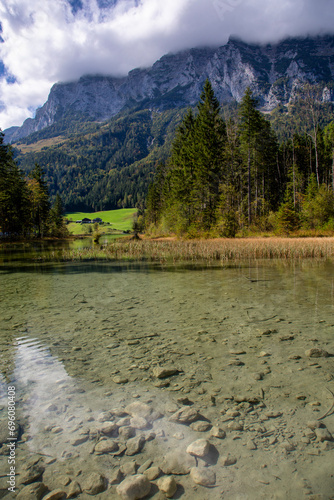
{"x": 95, "y": 483}
{"x": 134, "y": 487}
{"x": 236, "y": 426}
{"x": 200, "y": 426}
{"x": 316, "y": 352}
{"x": 218, "y": 432}
{"x": 167, "y": 485}
{"x": 126, "y": 432}
{"x": 146, "y": 465}
{"x": 163, "y": 372}
{"x": 177, "y": 462}
{"x": 227, "y": 461}
{"x": 152, "y": 473}
{"x": 138, "y": 423}
{"x": 185, "y": 415}
{"x": 314, "y": 424}
{"x": 74, "y": 490}
{"x": 120, "y": 380}
{"x": 323, "y": 434}
{"x": 199, "y": 448}
{"x": 55, "y": 495}
{"x": 138, "y": 409}
{"x": 32, "y": 491}
{"x": 34, "y": 473}
{"x": 134, "y": 445}
{"x": 106, "y": 446}
{"x": 129, "y": 468}
{"x": 204, "y": 477}
{"x": 108, "y": 428}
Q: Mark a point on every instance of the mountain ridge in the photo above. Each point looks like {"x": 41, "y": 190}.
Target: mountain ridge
{"x": 274, "y": 72}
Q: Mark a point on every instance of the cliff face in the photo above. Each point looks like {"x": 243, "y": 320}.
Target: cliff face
{"x": 273, "y": 72}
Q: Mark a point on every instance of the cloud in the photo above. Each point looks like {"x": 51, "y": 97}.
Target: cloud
{"x": 46, "y": 41}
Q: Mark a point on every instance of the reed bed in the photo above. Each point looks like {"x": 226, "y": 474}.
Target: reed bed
{"x": 218, "y": 250}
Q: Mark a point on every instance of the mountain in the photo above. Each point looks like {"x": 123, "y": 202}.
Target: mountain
{"x": 273, "y": 72}
{"x": 100, "y": 138}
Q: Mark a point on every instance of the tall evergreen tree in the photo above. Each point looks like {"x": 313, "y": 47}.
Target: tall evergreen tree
{"x": 250, "y": 126}
{"x": 39, "y": 199}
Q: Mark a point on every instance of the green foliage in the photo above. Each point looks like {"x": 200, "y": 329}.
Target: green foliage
{"x": 287, "y": 219}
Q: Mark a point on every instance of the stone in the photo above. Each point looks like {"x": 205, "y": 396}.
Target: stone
{"x": 164, "y": 372}
{"x": 185, "y": 415}
{"x": 227, "y": 461}
{"x": 34, "y": 491}
{"x": 236, "y": 426}
{"x": 120, "y": 380}
{"x": 177, "y": 462}
{"x": 152, "y": 473}
{"x": 204, "y": 477}
{"x": 129, "y": 468}
{"x": 138, "y": 409}
{"x": 199, "y": 448}
{"x": 217, "y": 432}
{"x": 33, "y": 474}
{"x": 134, "y": 487}
{"x": 115, "y": 476}
{"x": 200, "y": 426}
{"x": 314, "y": 424}
{"x": 126, "y": 432}
{"x": 58, "y": 494}
{"x": 106, "y": 446}
{"x": 74, "y": 489}
{"x": 146, "y": 465}
{"x": 94, "y": 484}
{"x": 167, "y": 485}
{"x": 316, "y": 352}
{"x": 251, "y": 445}
{"x": 105, "y": 416}
{"x": 264, "y": 354}
{"x": 79, "y": 440}
{"x": 134, "y": 445}
{"x": 323, "y": 435}
{"x": 138, "y": 423}
{"x": 108, "y": 428}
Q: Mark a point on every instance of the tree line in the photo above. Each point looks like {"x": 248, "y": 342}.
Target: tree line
{"x": 227, "y": 174}
{"x": 25, "y": 208}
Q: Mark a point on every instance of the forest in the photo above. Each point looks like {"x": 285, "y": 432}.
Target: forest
{"x": 25, "y": 208}
{"x": 230, "y": 174}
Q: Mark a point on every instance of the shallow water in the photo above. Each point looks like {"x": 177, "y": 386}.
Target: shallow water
{"x": 81, "y": 339}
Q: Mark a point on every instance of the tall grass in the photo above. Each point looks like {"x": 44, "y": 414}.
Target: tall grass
{"x": 220, "y": 250}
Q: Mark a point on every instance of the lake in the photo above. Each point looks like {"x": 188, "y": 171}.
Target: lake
{"x": 118, "y": 369}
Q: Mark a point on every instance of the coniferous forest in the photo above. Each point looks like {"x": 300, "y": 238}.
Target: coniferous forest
{"x": 25, "y": 209}
{"x": 231, "y": 174}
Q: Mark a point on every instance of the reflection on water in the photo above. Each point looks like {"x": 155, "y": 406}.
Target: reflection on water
{"x": 82, "y": 342}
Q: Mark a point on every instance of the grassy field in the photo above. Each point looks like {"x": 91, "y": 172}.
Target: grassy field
{"x": 120, "y": 220}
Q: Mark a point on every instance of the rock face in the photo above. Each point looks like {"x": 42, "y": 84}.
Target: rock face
{"x": 273, "y": 72}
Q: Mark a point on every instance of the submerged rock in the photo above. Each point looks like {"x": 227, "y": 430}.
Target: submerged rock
{"x": 316, "y": 352}
{"x": 204, "y": 477}
{"x": 134, "y": 487}
{"x": 199, "y": 448}
{"x": 167, "y": 485}
{"x": 185, "y": 415}
{"x": 94, "y": 484}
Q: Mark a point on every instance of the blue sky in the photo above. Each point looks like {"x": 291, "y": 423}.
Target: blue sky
{"x": 46, "y": 41}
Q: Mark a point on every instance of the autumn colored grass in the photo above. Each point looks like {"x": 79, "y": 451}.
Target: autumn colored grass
{"x": 211, "y": 251}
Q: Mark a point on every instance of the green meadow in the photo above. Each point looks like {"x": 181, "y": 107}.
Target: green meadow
{"x": 119, "y": 220}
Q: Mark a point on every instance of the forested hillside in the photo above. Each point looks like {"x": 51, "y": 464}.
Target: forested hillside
{"x": 227, "y": 175}
{"x": 101, "y": 166}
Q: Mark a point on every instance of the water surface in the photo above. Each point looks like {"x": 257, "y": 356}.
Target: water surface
{"x": 81, "y": 339}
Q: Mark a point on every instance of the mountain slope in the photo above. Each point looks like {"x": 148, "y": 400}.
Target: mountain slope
{"x": 274, "y": 73}
{"x": 100, "y": 139}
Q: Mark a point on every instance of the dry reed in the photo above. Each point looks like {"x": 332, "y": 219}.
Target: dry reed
{"x": 219, "y": 250}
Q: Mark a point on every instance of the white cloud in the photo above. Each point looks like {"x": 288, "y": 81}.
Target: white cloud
{"x": 44, "y": 42}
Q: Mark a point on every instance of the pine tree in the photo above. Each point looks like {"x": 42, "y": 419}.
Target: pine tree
{"x": 13, "y": 194}
{"x": 250, "y": 126}
{"x": 39, "y": 200}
